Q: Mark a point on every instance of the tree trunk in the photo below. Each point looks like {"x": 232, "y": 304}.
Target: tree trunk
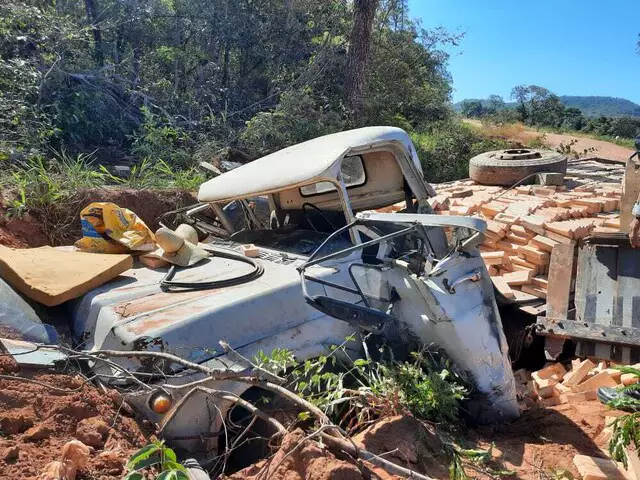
{"x": 358, "y": 57}
{"x": 92, "y": 17}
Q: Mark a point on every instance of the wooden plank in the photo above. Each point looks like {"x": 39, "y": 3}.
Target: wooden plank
{"x": 602, "y": 379}
{"x": 516, "y": 260}
{"x": 508, "y": 246}
{"x": 492, "y": 258}
{"x": 564, "y": 328}
{"x": 543, "y": 243}
{"x": 560, "y": 275}
{"x": 633, "y": 461}
{"x": 52, "y": 276}
{"x": 565, "y": 229}
{"x": 517, "y": 267}
{"x": 521, "y": 277}
{"x": 535, "y": 291}
{"x": 558, "y": 238}
{"x": 593, "y": 468}
{"x": 523, "y": 296}
{"x": 577, "y": 374}
{"x": 536, "y": 311}
{"x": 514, "y": 238}
{"x": 540, "y": 282}
{"x": 535, "y": 256}
{"x": 522, "y": 231}
{"x": 534, "y": 223}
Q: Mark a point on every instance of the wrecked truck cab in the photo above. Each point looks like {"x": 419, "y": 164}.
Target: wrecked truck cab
{"x": 326, "y": 262}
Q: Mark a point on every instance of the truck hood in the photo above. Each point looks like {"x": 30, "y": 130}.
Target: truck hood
{"x": 132, "y": 312}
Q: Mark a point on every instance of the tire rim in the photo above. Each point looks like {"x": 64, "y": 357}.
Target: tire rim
{"x": 518, "y": 154}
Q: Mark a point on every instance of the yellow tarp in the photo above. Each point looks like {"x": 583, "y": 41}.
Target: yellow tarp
{"x": 108, "y": 228}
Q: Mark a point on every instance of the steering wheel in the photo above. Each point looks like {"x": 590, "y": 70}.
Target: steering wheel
{"x": 306, "y": 205}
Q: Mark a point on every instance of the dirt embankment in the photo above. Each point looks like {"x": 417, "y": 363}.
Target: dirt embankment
{"x": 36, "y": 421}
{"x": 59, "y": 224}
{"x": 400, "y": 439}
{"x": 541, "y": 441}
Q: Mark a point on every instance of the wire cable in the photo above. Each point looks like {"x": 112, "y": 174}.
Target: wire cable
{"x": 169, "y": 285}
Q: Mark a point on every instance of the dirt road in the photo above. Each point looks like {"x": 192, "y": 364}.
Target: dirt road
{"x": 518, "y": 133}
{"x": 603, "y": 149}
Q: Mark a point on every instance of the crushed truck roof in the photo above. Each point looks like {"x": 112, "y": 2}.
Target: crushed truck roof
{"x": 301, "y": 164}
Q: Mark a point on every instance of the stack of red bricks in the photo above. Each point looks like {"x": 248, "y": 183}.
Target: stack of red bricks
{"x": 526, "y": 222}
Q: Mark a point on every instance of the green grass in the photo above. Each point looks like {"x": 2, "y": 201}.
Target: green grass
{"x": 38, "y": 182}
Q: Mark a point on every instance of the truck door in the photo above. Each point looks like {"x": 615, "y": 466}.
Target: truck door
{"x": 438, "y": 292}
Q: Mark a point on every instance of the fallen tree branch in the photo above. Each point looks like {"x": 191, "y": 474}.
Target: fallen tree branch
{"x": 229, "y": 396}
{"x": 159, "y": 355}
{"x": 357, "y": 452}
{"x": 219, "y": 374}
{"x": 332, "y": 439}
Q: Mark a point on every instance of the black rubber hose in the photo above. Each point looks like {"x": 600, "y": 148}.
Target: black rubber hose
{"x": 168, "y": 285}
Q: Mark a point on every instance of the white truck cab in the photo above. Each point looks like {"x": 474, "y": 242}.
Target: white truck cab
{"x": 330, "y": 267}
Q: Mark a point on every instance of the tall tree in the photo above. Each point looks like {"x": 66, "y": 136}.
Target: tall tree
{"x": 520, "y": 93}
{"x": 93, "y": 20}
{"x": 472, "y": 109}
{"x": 364, "y": 12}
{"x": 495, "y": 103}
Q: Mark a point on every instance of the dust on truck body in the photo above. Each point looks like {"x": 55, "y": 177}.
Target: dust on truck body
{"x": 332, "y": 268}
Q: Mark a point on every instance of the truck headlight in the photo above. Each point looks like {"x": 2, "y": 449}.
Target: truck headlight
{"x": 160, "y": 402}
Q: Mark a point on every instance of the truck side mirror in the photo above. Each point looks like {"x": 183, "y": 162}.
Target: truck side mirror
{"x": 349, "y": 312}
{"x": 637, "y": 141}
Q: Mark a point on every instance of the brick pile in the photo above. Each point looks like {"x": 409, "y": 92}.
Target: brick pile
{"x": 556, "y": 385}
{"x": 526, "y": 222}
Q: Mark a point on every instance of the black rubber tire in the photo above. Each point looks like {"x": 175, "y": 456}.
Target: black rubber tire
{"x": 490, "y": 169}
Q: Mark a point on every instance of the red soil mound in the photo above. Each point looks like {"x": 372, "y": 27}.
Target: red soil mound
{"x": 37, "y": 421}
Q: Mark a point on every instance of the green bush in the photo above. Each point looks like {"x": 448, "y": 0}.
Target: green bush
{"x": 161, "y": 141}
{"x": 298, "y": 117}
{"x": 425, "y": 385}
{"x": 445, "y": 150}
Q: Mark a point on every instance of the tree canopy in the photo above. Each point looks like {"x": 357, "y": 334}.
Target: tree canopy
{"x": 181, "y": 79}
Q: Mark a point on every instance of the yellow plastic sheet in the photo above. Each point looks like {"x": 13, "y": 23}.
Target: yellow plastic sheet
{"x": 108, "y": 228}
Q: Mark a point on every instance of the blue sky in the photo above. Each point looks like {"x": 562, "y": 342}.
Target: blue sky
{"x": 571, "y": 47}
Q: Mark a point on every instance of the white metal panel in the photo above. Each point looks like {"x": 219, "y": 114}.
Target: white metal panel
{"x": 299, "y": 164}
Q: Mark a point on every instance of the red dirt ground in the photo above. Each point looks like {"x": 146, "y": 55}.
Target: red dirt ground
{"x": 20, "y": 232}
{"x": 147, "y": 204}
{"x": 546, "y": 439}
{"x": 35, "y": 423}
{"x": 541, "y": 441}
{"x": 309, "y": 461}
{"x": 603, "y": 149}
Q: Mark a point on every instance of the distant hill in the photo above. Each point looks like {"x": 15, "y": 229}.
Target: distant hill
{"x": 591, "y": 106}
{"x": 607, "y": 106}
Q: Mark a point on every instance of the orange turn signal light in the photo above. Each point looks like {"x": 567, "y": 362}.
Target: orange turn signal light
{"x": 160, "y": 403}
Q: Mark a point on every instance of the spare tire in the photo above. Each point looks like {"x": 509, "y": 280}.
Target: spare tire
{"x": 508, "y": 167}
